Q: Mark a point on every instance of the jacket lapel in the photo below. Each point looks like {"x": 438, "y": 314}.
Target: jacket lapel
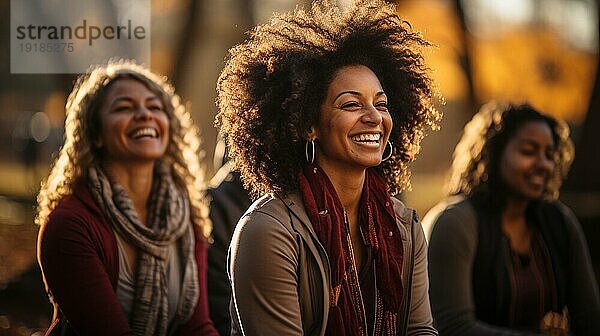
{"x": 301, "y": 223}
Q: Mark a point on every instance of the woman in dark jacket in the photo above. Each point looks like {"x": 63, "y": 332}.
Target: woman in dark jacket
{"x": 506, "y": 258}
{"x": 122, "y": 244}
{"x": 322, "y": 111}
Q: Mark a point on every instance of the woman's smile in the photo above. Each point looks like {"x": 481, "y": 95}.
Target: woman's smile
{"x": 370, "y": 140}
{"x": 135, "y": 125}
{"x": 354, "y": 123}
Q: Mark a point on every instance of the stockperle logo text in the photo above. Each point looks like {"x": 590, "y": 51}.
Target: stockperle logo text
{"x": 84, "y": 31}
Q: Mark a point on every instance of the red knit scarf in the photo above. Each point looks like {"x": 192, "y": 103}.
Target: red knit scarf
{"x": 377, "y": 221}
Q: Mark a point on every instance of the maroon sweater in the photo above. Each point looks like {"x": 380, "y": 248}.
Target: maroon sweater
{"x": 77, "y": 251}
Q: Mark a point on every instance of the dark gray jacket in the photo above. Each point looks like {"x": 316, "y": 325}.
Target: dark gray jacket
{"x": 280, "y": 272}
{"x": 453, "y": 229}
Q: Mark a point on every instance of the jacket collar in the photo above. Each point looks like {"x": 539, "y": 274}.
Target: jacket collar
{"x": 296, "y": 205}
{"x": 294, "y": 202}
{"x": 403, "y": 213}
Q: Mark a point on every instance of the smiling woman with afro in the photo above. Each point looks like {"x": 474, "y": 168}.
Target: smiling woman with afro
{"x": 323, "y": 110}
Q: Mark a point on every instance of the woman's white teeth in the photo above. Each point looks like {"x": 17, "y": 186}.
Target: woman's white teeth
{"x": 367, "y": 137}
{"x": 540, "y": 179}
{"x": 151, "y": 132}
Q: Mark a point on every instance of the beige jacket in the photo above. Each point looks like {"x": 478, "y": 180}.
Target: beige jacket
{"x": 279, "y": 272}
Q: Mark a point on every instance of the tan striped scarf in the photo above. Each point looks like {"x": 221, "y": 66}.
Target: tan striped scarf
{"x": 168, "y": 222}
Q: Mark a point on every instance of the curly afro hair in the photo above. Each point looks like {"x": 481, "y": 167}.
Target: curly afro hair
{"x": 476, "y": 165}
{"x": 272, "y": 87}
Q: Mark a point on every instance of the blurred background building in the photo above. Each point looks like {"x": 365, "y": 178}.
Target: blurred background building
{"x": 541, "y": 51}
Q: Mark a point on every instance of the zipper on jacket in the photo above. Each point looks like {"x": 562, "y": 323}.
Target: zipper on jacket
{"x": 355, "y": 271}
{"x": 408, "y": 270}
{"x": 372, "y": 262}
{"x": 327, "y": 260}
{"x": 375, "y": 310}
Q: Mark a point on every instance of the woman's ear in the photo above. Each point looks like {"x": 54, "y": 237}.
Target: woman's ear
{"x": 311, "y": 133}
{"x": 98, "y": 142}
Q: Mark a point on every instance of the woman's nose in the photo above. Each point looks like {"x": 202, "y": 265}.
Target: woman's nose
{"x": 372, "y": 116}
{"x": 545, "y": 163}
{"x": 143, "y": 113}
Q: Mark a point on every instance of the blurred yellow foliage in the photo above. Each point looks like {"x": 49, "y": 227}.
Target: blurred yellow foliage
{"x": 528, "y": 63}
{"x": 439, "y": 24}
{"x": 534, "y": 65}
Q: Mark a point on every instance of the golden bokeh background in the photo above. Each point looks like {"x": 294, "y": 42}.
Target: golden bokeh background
{"x": 541, "y": 51}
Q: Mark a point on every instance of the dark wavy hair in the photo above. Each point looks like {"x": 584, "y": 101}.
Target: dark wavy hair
{"x": 476, "y": 164}
{"x": 273, "y": 85}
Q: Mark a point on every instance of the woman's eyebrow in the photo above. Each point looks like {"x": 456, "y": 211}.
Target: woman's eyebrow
{"x": 121, "y": 98}
{"x": 129, "y": 99}
{"x": 533, "y": 142}
{"x": 356, "y": 93}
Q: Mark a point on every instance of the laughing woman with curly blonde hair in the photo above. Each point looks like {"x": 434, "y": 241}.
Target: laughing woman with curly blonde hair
{"x": 122, "y": 244}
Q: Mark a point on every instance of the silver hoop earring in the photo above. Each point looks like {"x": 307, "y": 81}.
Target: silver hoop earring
{"x": 310, "y": 157}
{"x": 385, "y": 158}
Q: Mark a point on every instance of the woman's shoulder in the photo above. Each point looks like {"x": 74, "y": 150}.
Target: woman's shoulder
{"x": 403, "y": 213}
{"x": 452, "y": 213}
{"x": 78, "y": 203}
{"x": 76, "y": 213}
{"x": 266, "y": 214}
{"x": 75, "y": 227}
{"x": 269, "y": 204}
{"x": 556, "y": 206}
{"x": 556, "y": 209}
{"x": 265, "y": 227}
